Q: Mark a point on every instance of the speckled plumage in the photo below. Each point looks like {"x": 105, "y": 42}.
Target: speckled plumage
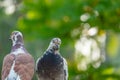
{"x": 52, "y": 66}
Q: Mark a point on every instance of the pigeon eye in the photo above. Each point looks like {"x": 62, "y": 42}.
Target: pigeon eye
{"x": 54, "y": 41}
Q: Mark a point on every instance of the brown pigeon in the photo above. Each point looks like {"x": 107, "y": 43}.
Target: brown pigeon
{"x": 52, "y": 66}
{"x": 19, "y": 64}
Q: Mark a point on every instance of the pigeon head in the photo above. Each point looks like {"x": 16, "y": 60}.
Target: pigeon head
{"x": 16, "y": 37}
{"x": 55, "y": 44}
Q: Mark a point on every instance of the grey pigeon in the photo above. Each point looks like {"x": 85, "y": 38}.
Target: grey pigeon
{"x": 52, "y": 66}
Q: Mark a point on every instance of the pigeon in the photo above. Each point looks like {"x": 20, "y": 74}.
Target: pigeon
{"x": 52, "y": 66}
{"x": 18, "y": 64}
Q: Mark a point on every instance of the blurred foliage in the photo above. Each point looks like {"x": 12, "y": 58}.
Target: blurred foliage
{"x": 41, "y": 20}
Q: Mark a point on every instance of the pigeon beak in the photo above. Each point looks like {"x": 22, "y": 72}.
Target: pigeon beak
{"x": 56, "y": 47}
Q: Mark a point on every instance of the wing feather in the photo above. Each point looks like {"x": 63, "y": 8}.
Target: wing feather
{"x": 24, "y": 66}
{"x": 7, "y": 63}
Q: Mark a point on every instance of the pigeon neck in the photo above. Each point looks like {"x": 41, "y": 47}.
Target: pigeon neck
{"x": 18, "y": 45}
{"x": 53, "y": 51}
{"x": 53, "y": 48}
{"x": 18, "y": 48}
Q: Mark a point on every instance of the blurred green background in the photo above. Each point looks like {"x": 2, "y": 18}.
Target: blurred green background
{"x": 89, "y": 30}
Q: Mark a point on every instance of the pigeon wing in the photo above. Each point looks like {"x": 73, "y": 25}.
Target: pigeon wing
{"x": 7, "y": 63}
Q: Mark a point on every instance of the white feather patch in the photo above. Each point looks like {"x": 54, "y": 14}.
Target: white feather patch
{"x": 12, "y": 74}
